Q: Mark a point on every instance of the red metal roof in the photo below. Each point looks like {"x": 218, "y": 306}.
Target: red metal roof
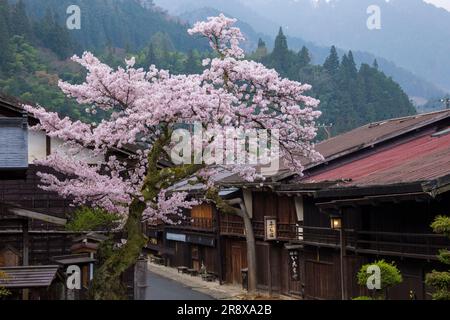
{"x": 360, "y": 138}
{"x": 422, "y": 159}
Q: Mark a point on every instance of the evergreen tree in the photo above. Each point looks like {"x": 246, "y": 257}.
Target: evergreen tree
{"x": 375, "y": 64}
{"x": 4, "y": 34}
{"x": 261, "y": 51}
{"x": 332, "y": 62}
{"x": 351, "y": 67}
{"x": 53, "y": 35}
{"x": 21, "y": 25}
{"x": 192, "y": 65}
{"x": 281, "y": 58}
{"x": 150, "y": 57}
{"x": 304, "y": 58}
{"x": 281, "y": 45}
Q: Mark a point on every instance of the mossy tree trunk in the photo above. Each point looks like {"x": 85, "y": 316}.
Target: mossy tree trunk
{"x": 107, "y": 284}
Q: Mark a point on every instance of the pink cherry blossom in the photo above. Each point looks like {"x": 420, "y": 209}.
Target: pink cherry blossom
{"x": 144, "y": 103}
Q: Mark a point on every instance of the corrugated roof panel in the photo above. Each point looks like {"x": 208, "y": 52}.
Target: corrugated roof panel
{"x": 361, "y": 138}
{"x": 422, "y": 159}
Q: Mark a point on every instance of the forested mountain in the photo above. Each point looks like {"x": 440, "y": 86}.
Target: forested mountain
{"x": 35, "y": 43}
{"x": 30, "y": 54}
{"x": 349, "y": 96}
{"x": 35, "y": 46}
{"x": 417, "y": 88}
{"x": 117, "y": 23}
{"x": 413, "y": 34}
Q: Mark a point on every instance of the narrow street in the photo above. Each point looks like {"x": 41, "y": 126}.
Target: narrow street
{"x": 161, "y": 288}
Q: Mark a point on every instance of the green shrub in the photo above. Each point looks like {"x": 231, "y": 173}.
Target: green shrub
{"x": 88, "y": 219}
{"x": 440, "y": 281}
{"x": 390, "y": 276}
{"x": 3, "y": 291}
{"x": 363, "y": 298}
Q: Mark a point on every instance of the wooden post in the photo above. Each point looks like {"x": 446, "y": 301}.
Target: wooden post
{"x": 140, "y": 279}
{"x": 25, "y": 252}
{"x": 269, "y": 267}
{"x": 342, "y": 257}
{"x": 219, "y": 246}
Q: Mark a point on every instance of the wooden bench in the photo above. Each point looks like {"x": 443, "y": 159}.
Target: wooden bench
{"x": 209, "y": 277}
{"x": 192, "y": 272}
{"x": 157, "y": 260}
{"x": 182, "y": 269}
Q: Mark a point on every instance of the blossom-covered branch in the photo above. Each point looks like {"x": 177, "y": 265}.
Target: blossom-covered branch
{"x": 147, "y": 105}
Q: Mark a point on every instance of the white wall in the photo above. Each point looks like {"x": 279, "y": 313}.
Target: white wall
{"x": 37, "y": 148}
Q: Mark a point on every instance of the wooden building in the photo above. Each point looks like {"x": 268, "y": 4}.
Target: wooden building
{"x": 386, "y": 183}
{"x": 384, "y": 201}
{"x": 192, "y": 243}
{"x": 386, "y": 214}
{"x": 32, "y": 220}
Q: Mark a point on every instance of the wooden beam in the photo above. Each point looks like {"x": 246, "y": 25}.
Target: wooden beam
{"x": 38, "y": 216}
{"x": 25, "y": 253}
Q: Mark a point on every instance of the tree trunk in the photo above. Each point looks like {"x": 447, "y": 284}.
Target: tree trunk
{"x": 251, "y": 243}
{"x": 251, "y": 253}
{"x": 107, "y": 284}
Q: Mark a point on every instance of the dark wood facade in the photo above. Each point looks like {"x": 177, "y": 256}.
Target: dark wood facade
{"x": 273, "y": 257}
{"x": 191, "y": 243}
{"x": 393, "y": 230}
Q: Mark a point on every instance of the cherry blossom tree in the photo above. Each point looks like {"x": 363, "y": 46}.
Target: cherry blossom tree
{"x": 146, "y": 107}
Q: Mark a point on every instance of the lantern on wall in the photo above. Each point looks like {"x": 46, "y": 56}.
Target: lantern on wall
{"x": 336, "y": 222}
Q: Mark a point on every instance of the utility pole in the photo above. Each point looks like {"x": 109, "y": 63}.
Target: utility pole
{"x": 446, "y": 101}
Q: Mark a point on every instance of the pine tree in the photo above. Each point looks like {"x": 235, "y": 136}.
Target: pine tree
{"x": 375, "y": 64}
{"x": 261, "y": 51}
{"x": 331, "y": 64}
{"x": 4, "y": 34}
{"x": 351, "y": 67}
{"x": 54, "y": 36}
{"x": 304, "y": 58}
{"x": 281, "y": 58}
{"x": 281, "y": 45}
{"x": 192, "y": 63}
{"x": 150, "y": 57}
{"x": 348, "y": 70}
{"x": 61, "y": 42}
{"x": 21, "y": 25}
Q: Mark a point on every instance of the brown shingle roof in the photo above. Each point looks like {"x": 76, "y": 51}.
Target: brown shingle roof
{"x": 28, "y": 276}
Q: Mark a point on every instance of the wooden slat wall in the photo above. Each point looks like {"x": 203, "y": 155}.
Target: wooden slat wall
{"x": 27, "y": 194}
{"x": 271, "y": 204}
{"x": 204, "y": 210}
{"x": 42, "y": 246}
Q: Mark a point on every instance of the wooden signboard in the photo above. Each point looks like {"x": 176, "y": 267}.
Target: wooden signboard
{"x": 294, "y": 265}
{"x": 270, "y": 228}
